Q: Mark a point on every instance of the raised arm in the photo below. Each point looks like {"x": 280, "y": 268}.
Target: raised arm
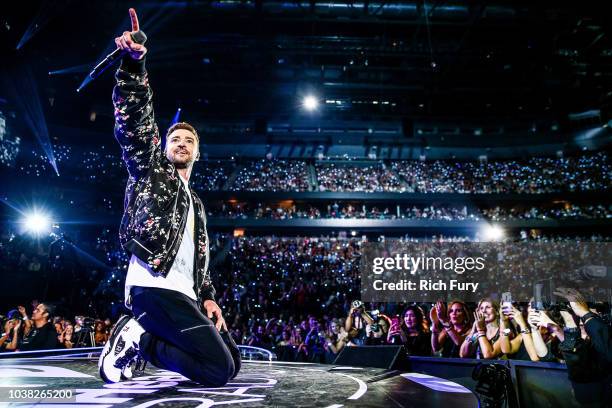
{"x": 348, "y": 323}
{"x": 26, "y": 321}
{"x": 597, "y": 329}
{"x": 135, "y": 127}
{"x": 535, "y": 321}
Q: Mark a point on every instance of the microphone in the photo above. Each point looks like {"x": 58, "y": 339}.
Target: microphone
{"x": 138, "y": 37}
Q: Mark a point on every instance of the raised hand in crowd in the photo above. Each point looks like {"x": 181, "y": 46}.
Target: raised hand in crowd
{"x": 442, "y": 313}
{"x": 512, "y": 345}
{"x": 479, "y": 321}
{"x": 27, "y": 323}
{"x": 541, "y": 324}
{"x": 598, "y": 331}
{"x": 14, "y": 341}
{"x": 576, "y": 300}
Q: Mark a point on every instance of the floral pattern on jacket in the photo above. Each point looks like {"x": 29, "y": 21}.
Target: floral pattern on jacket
{"x": 156, "y": 202}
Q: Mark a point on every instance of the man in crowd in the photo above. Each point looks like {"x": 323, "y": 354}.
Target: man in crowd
{"x": 41, "y": 335}
{"x": 164, "y": 229}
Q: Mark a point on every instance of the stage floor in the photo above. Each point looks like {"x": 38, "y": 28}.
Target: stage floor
{"x": 259, "y": 384}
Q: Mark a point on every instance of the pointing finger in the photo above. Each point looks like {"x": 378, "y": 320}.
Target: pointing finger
{"x": 134, "y": 19}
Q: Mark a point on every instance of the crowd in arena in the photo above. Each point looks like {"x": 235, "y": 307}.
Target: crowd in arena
{"x": 355, "y": 210}
{"x": 369, "y": 179}
{"x": 569, "y": 211}
{"x": 534, "y": 176}
{"x": 296, "y": 297}
{"x": 273, "y": 175}
{"x": 44, "y": 329}
{"x": 537, "y": 175}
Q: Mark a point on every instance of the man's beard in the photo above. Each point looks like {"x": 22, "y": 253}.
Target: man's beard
{"x": 182, "y": 165}
{"x": 179, "y": 163}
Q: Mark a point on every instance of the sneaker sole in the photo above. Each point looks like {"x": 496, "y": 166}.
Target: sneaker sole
{"x": 111, "y": 346}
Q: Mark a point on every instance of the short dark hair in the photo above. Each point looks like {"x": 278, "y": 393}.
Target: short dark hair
{"x": 182, "y": 125}
{"x": 50, "y": 309}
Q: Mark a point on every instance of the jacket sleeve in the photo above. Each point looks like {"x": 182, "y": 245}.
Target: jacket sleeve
{"x": 207, "y": 291}
{"x": 135, "y": 127}
{"x": 599, "y": 332}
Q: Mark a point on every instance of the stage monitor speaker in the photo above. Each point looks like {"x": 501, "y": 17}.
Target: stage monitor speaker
{"x": 389, "y": 357}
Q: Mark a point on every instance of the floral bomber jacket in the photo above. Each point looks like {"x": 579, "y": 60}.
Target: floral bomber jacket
{"x": 156, "y": 202}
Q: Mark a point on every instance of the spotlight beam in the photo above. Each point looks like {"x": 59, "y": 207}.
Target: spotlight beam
{"x": 176, "y": 117}
{"x": 72, "y": 70}
{"x": 24, "y": 90}
{"x": 83, "y": 253}
{"x": 47, "y": 11}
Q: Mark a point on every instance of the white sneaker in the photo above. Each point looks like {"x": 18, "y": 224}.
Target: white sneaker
{"x": 120, "y": 349}
{"x": 139, "y": 366}
{"x": 126, "y": 373}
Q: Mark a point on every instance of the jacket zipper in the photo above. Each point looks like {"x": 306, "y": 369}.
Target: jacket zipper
{"x": 142, "y": 246}
{"x": 174, "y": 216}
{"x": 196, "y": 240}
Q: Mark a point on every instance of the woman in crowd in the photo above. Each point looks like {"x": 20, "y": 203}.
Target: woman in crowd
{"x": 335, "y": 340}
{"x": 58, "y": 328}
{"x": 284, "y": 351}
{"x": 357, "y": 320}
{"x": 65, "y": 339}
{"x": 11, "y": 332}
{"x": 101, "y": 335}
{"x": 449, "y": 328}
{"x": 413, "y": 332}
{"x": 516, "y": 341}
{"x": 484, "y": 339}
{"x": 546, "y": 334}
{"x": 377, "y": 332}
{"x": 297, "y": 342}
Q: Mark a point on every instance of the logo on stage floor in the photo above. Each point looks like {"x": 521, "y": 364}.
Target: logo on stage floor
{"x": 174, "y": 387}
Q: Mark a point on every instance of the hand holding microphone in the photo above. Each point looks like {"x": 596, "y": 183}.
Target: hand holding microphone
{"x": 132, "y": 42}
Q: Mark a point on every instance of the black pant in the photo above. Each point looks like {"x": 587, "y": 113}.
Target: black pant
{"x": 180, "y": 338}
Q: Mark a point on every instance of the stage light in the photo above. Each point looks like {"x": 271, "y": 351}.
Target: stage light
{"x": 493, "y": 233}
{"x": 176, "y": 117}
{"x": 72, "y": 70}
{"x": 310, "y": 103}
{"x": 47, "y": 11}
{"x": 25, "y": 89}
{"x": 37, "y": 222}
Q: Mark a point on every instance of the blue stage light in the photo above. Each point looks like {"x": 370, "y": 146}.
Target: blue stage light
{"x": 37, "y": 223}
{"x": 310, "y": 103}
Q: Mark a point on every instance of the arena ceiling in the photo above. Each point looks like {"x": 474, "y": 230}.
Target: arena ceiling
{"x": 247, "y": 64}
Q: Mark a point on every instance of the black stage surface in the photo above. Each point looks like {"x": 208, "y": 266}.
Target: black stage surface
{"x": 259, "y": 384}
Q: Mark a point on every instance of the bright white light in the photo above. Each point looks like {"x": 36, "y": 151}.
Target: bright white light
{"x": 310, "y": 103}
{"x": 37, "y": 223}
{"x": 493, "y": 233}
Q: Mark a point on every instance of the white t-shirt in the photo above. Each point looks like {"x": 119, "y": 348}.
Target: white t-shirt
{"x": 180, "y": 277}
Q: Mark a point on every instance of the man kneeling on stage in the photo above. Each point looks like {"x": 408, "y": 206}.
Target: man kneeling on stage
{"x": 164, "y": 230}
